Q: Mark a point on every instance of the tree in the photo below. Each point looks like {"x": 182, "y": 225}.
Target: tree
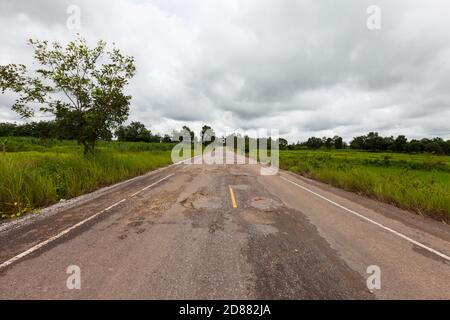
{"x": 358, "y": 143}
{"x": 433, "y": 147}
{"x": 314, "y": 143}
{"x": 166, "y": 139}
{"x": 82, "y": 87}
{"x": 42, "y": 129}
{"x": 399, "y": 144}
{"x": 414, "y": 146}
{"x": 283, "y": 143}
{"x": 338, "y": 142}
{"x": 135, "y": 131}
{"x": 372, "y": 142}
{"x": 7, "y": 129}
{"x": 155, "y": 137}
{"x": 207, "y": 135}
{"x": 446, "y": 147}
{"x": 189, "y": 133}
{"x": 328, "y": 142}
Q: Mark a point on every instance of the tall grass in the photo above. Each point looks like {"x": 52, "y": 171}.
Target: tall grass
{"x": 34, "y": 179}
{"x": 419, "y": 183}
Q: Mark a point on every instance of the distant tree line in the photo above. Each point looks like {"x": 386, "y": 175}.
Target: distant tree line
{"x": 41, "y": 129}
{"x": 318, "y": 143}
{"x": 376, "y": 143}
{"x": 134, "y": 132}
{"x": 137, "y": 132}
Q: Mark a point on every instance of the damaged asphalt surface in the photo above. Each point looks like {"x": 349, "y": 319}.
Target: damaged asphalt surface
{"x": 183, "y": 239}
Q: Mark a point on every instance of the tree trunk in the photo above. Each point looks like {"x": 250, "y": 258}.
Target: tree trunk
{"x": 86, "y": 148}
{"x": 93, "y": 148}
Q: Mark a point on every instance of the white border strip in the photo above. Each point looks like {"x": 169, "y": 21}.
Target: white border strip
{"x": 62, "y": 233}
{"x": 440, "y": 254}
{"x": 59, "y": 235}
{"x": 151, "y": 185}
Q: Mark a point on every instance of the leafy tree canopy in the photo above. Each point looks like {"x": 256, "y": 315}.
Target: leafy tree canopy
{"x": 83, "y": 87}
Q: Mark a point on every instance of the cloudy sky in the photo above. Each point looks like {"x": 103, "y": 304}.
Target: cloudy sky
{"x": 305, "y": 67}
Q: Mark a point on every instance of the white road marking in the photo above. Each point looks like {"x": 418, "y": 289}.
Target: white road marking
{"x": 59, "y": 235}
{"x": 440, "y": 254}
{"x": 151, "y": 185}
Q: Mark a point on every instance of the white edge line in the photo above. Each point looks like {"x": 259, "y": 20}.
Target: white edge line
{"x": 59, "y": 235}
{"x": 185, "y": 161}
{"x": 31, "y": 218}
{"x": 151, "y": 185}
{"x": 62, "y": 233}
{"x": 440, "y": 254}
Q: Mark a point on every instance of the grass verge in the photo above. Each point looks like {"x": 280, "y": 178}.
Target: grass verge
{"x": 45, "y": 174}
{"x": 419, "y": 183}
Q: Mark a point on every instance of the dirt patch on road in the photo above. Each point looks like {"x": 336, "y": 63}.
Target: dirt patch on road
{"x": 158, "y": 204}
{"x": 201, "y": 200}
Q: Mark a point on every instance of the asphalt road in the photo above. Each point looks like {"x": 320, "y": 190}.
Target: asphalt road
{"x": 224, "y": 232}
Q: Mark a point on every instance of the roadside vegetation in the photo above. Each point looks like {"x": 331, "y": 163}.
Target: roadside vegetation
{"x": 418, "y": 182}
{"x": 375, "y": 143}
{"x": 35, "y": 172}
{"x": 39, "y": 167}
{"x": 83, "y": 89}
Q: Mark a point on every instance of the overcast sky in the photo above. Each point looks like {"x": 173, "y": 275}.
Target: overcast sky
{"x": 305, "y": 67}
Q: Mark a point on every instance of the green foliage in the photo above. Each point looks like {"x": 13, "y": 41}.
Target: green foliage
{"x": 374, "y": 142}
{"x": 207, "y": 135}
{"x": 415, "y": 182}
{"x": 41, "y": 129}
{"x": 283, "y": 143}
{"x": 40, "y": 172}
{"x": 187, "y": 133}
{"x": 317, "y": 143}
{"x": 82, "y": 87}
{"x": 136, "y": 132}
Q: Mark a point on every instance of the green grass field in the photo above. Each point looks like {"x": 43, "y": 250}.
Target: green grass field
{"x": 35, "y": 173}
{"x": 416, "y": 182}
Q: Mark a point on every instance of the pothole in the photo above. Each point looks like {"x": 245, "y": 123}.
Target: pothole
{"x": 201, "y": 200}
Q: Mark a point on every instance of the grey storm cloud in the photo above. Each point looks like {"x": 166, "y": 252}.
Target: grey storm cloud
{"x": 301, "y": 66}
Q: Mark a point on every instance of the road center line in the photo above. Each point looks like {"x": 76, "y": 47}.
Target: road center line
{"x": 440, "y": 254}
{"x": 59, "y": 235}
{"x": 233, "y": 199}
